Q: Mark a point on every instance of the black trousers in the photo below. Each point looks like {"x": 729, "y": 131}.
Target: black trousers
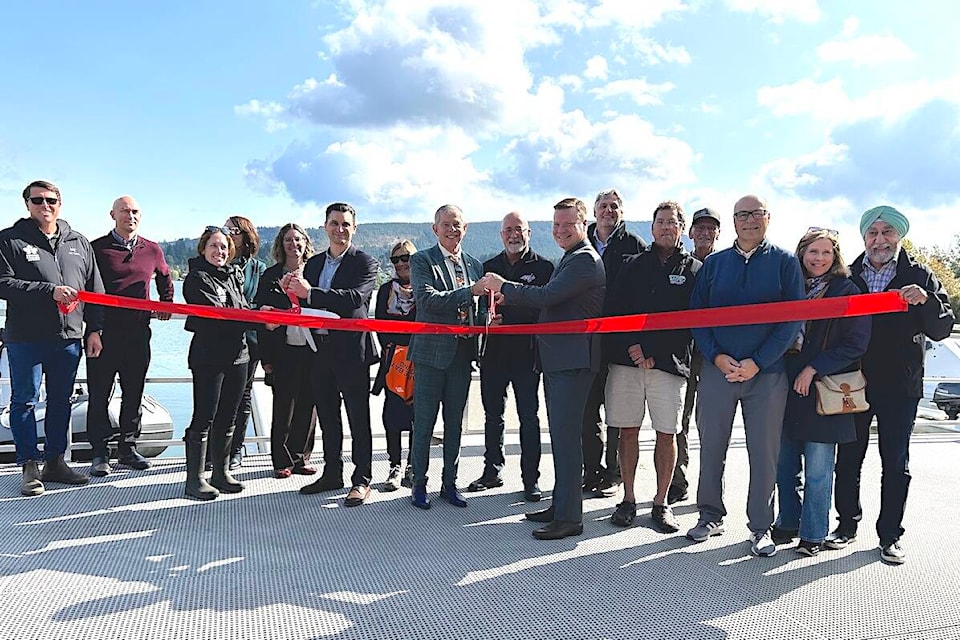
{"x": 350, "y": 381}
{"x": 125, "y": 353}
{"x": 216, "y": 396}
{"x": 292, "y": 430}
{"x": 246, "y": 400}
{"x": 593, "y": 436}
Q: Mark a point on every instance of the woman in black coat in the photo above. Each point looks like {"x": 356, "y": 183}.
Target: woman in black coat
{"x": 395, "y": 302}
{"x": 287, "y": 355}
{"x": 808, "y": 446}
{"x": 217, "y": 359}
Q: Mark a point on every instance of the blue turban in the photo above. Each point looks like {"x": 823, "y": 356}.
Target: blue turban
{"x": 889, "y": 215}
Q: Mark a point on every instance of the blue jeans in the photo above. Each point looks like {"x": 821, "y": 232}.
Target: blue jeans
{"x": 494, "y": 379}
{"x": 56, "y": 360}
{"x": 805, "y": 485}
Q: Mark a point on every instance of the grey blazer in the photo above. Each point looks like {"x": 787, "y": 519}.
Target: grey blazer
{"x": 575, "y": 292}
{"x": 438, "y": 301}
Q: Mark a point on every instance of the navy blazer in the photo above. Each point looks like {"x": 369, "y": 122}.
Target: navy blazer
{"x": 348, "y": 297}
{"x": 438, "y": 300}
{"x": 574, "y": 292}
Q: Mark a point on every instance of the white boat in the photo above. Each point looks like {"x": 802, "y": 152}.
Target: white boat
{"x": 156, "y": 421}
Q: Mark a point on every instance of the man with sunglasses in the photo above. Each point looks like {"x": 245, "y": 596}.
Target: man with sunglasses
{"x": 43, "y": 264}
{"x": 743, "y": 365}
{"x": 128, "y": 263}
{"x": 341, "y": 279}
{"x": 509, "y": 360}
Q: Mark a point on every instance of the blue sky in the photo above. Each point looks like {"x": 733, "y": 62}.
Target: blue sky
{"x": 271, "y": 110}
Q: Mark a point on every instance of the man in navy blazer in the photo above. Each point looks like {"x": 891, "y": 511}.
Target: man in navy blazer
{"x": 569, "y": 361}
{"x": 444, "y": 279}
{"x": 341, "y": 280}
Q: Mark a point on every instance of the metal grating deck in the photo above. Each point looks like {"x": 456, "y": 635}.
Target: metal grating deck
{"x": 127, "y": 558}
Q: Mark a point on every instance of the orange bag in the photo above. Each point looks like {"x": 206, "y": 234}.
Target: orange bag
{"x": 399, "y": 379}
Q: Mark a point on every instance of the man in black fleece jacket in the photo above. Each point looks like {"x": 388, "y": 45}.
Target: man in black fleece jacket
{"x": 43, "y": 263}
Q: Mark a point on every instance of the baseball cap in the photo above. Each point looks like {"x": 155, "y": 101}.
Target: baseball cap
{"x": 706, "y": 212}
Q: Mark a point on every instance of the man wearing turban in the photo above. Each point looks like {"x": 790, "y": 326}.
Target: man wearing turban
{"x": 893, "y": 367}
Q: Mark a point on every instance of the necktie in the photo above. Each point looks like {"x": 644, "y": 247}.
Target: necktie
{"x": 461, "y": 280}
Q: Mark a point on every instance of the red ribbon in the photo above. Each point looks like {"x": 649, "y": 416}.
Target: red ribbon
{"x": 849, "y": 306}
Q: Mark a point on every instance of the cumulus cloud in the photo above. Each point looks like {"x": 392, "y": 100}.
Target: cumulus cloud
{"x": 778, "y": 11}
{"x": 863, "y": 50}
{"x": 596, "y": 68}
{"x": 637, "y": 89}
{"x": 575, "y": 155}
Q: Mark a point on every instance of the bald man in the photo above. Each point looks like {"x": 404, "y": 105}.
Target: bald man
{"x": 743, "y": 365}
{"x": 510, "y": 360}
{"x": 127, "y": 263}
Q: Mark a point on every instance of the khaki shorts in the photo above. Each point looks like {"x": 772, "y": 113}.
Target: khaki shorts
{"x": 630, "y": 390}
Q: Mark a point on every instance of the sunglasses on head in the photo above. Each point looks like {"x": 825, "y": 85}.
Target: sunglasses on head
{"x": 398, "y": 259}
{"x": 829, "y": 232}
{"x": 227, "y": 231}
{"x": 41, "y": 200}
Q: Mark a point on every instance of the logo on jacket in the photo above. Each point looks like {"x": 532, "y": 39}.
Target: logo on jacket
{"x": 528, "y": 277}
{"x": 74, "y": 252}
{"x": 676, "y": 279}
{"x": 31, "y": 253}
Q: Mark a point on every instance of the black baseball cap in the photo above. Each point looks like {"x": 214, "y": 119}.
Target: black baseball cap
{"x": 706, "y": 212}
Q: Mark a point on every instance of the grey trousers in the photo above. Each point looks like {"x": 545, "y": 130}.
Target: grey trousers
{"x": 762, "y": 401}
{"x": 566, "y": 392}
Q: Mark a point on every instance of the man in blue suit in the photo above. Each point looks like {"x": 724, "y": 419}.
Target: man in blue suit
{"x": 569, "y": 361}
{"x": 445, "y": 286}
{"x": 341, "y": 280}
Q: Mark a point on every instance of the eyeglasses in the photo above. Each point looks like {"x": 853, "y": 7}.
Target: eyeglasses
{"x": 829, "y": 232}
{"x": 509, "y": 231}
{"x": 398, "y": 259}
{"x": 227, "y": 231}
{"x": 41, "y": 200}
{"x": 756, "y": 214}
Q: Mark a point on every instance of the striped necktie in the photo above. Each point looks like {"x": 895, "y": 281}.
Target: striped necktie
{"x": 461, "y": 280}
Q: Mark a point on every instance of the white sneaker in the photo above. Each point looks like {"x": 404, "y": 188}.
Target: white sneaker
{"x": 705, "y": 529}
{"x": 762, "y": 544}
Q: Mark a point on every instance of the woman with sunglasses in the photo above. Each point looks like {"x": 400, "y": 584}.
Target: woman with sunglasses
{"x": 287, "y": 355}
{"x": 217, "y": 359}
{"x": 808, "y": 445}
{"x": 247, "y": 241}
{"x": 395, "y": 302}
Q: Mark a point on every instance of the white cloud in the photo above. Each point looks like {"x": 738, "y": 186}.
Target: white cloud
{"x": 863, "y": 50}
{"x": 596, "y": 68}
{"x": 639, "y": 90}
{"x": 574, "y": 82}
{"x": 652, "y": 52}
{"x": 632, "y": 14}
{"x": 271, "y": 112}
{"x": 779, "y": 11}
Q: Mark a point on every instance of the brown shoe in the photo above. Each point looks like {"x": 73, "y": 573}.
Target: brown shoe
{"x": 57, "y": 470}
{"x": 31, "y": 485}
{"x": 357, "y": 496}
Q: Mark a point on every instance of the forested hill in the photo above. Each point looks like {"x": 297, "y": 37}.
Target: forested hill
{"x": 482, "y": 240}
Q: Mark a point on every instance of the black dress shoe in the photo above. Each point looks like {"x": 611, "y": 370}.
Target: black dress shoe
{"x": 134, "y": 460}
{"x": 485, "y": 482}
{"x": 419, "y": 497}
{"x": 324, "y": 483}
{"x": 454, "y": 497}
{"x": 100, "y": 466}
{"x": 541, "y": 516}
{"x": 676, "y": 494}
{"x": 532, "y": 493}
{"x": 557, "y": 530}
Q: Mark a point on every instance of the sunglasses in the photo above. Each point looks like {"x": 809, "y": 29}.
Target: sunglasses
{"x": 227, "y": 231}
{"x": 398, "y": 259}
{"x": 41, "y": 200}
{"x": 829, "y": 232}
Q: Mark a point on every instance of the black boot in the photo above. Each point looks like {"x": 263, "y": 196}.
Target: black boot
{"x": 128, "y": 456}
{"x": 220, "y": 455}
{"x": 57, "y": 470}
{"x": 196, "y": 486}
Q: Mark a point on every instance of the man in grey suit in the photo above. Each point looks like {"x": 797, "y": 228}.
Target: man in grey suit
{"x": 445, "y": 286}
{"x": 569, "y": 361}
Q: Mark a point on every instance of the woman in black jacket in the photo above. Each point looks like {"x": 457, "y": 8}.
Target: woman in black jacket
{"x": 808, "y": 445}
{"x": 217, "y": 359}
{"x": 395, "y": 302}
{"x": 287, "y": 355}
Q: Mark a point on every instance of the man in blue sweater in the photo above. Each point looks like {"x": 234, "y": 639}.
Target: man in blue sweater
{"x": 743, "y": 364}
